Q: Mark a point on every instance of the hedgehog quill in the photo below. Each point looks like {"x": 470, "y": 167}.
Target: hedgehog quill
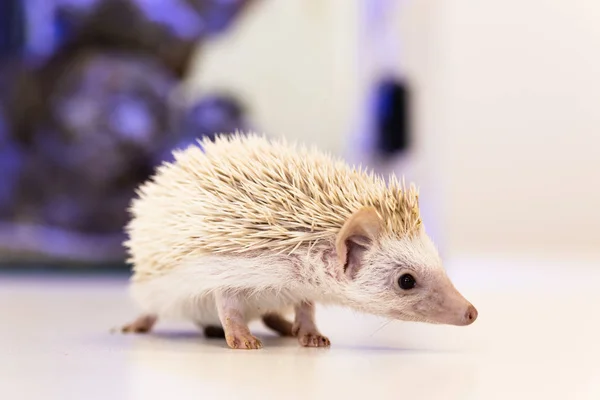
{"x": 242, "y": 228}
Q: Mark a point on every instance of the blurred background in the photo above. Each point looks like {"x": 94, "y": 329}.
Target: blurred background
{"x": 489, "y": 106}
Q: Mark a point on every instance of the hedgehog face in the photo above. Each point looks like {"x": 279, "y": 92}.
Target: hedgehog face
{"x": 400, "y": 278}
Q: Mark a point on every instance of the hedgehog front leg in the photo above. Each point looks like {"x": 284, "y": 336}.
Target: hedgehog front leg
{"x": 231, "y": 313}
{"x": 306, "y": 329}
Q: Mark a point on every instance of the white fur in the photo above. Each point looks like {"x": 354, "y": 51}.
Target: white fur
{"x": 269, "y": 283}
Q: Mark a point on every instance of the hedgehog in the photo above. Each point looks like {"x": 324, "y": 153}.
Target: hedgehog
{"x": 242, "y": 227}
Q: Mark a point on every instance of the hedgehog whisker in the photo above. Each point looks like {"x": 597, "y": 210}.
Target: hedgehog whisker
{"x": 386, "y": 323}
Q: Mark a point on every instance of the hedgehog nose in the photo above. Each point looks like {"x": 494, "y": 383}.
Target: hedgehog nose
{"x": 470, "y": 315}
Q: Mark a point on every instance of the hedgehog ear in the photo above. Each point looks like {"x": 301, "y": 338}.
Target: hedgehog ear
{"x": 358, "y": 233}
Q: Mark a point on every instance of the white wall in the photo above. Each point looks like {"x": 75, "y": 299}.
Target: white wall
{"x": 511, "y": 120}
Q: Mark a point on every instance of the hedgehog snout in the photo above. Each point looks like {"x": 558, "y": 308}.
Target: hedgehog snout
{"x": 470, "y": 315}
{"x": 459, "y": 312}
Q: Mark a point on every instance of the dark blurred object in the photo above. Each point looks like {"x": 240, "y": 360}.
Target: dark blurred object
{"x": 105, "y": 121}
{"x": 12, "y": 31}
{"x": 82, "y": 129}
{"x": 392, "y": 117}
{"x": 11, "y": 160}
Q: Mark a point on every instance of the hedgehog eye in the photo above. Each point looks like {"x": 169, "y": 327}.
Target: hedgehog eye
{"x": 407, "y": 282}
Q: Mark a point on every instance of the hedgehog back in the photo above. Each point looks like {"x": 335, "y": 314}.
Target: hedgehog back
{"x": 246, "y": 193}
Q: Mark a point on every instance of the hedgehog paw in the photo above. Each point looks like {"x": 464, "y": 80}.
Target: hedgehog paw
{"x": 313, "y": 339}
{"x": 239, "y": 340}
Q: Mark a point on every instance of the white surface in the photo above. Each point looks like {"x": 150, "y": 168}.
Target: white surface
{"x": 536, "y": 338}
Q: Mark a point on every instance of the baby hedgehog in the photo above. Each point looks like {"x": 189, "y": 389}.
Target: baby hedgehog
{"x": 244, "y": 227}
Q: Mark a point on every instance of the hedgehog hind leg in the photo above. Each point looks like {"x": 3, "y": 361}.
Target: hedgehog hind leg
{"x": 212, "y": 331}
{"x": 278, "y": 323}
{"x": 143, "y": 324}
